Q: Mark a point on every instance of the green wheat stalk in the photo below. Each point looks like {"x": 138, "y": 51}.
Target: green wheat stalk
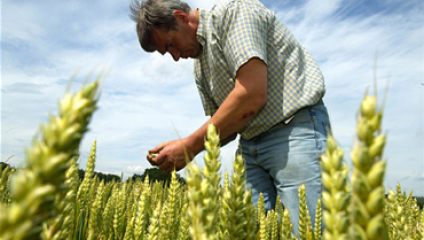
{"x": 163, "y": 233}
{"x": 235, "y": 202}
{"x": 33, "y": 189}
{"x": 85, "y": 194}
{"x": 286, "y": 225}
{"x": 261, "y": 208}
{"x": 421, "y": 225}
{"x": 211, "y": 179}
{"x": 69, "y": 211}
{"x": 143, "y": 206}
{"x": 250, "y": 227}
{"x": 61, "y": 225}
{"x": 184, "y": 223}
{"x": 119, "y": 214}
{"x": 263, "y": 233}
{"x": 305, "y": 225}
{"x": 154, "y": 223}
{"x": 367, "y": 205}
{"x": 223, "y": 210}
{"x": 172, "y": 223}
{"x": 3, "y": 184}
{"x": 335, "y": 196}
{"x": 318, "y": 219}
{"x": 195, "y": 196}
{"x": 107, "y": 215}
{"x": 94, "y": 221}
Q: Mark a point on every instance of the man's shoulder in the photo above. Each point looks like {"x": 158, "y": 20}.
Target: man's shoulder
{"x": 225, "y": 5}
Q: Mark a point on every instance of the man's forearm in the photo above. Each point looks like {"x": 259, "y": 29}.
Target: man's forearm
{"x": 228, "y": 139}
{"x": 196, "y": 140}
{"x": 232, "y": 116}
{"x": 242, "y": 104}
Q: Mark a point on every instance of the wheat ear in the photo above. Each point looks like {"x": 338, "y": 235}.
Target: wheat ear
{"x": 33, "y": 189}
{"x": 335, "y": 195}
{"x": 367, "y": 208}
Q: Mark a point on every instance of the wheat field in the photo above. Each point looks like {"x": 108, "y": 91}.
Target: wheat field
{"x": 46, "y": 199}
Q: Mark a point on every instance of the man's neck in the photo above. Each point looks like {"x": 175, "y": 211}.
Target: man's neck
{"x": 193, "y": 17}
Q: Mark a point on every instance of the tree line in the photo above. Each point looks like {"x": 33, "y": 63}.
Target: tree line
{"x": 155, "y": 174}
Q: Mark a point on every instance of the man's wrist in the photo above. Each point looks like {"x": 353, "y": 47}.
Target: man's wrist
{"x": 195, "y": 144}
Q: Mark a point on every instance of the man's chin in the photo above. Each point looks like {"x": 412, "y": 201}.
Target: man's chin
{"x": 195, "y": 55}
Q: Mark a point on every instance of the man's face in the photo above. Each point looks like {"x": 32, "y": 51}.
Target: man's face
{"x": 180, "y": 43}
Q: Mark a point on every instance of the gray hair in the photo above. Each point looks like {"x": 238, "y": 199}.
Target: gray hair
{"x": 150, "y": 15}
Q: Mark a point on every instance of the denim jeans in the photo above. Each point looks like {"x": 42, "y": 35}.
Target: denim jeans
{"x": 288, "y": 155}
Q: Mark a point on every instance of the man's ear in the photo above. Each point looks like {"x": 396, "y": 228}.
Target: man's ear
{"x": 180, "y": 16}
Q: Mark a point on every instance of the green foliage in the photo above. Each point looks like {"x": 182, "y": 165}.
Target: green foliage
{"x": 106, "y": 177}
{"x": 420, "y": 202}
{"x": 4, "y": 165}
{"x": 155, "y": 174}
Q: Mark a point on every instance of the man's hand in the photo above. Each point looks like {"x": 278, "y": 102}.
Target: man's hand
{"x": 170, "y": 155}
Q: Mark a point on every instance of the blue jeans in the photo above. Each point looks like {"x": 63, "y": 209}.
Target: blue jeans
{"x": 288, "y": 155}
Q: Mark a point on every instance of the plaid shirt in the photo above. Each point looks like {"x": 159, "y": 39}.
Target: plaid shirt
{"x": 232, "y": 33}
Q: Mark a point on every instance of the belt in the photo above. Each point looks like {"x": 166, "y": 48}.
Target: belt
{"x": 288, "y": 120}
{"x": 320, "y": 102}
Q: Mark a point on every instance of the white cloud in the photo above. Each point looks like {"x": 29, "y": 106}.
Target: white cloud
{"x": 20, "y": 29}
{"x": 135, "y": 169}
{"x": 318, "y": 9}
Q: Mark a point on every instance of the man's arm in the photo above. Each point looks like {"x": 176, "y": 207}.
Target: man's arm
{"x": 228, "y": 139}
{"x": 242, "y": 104}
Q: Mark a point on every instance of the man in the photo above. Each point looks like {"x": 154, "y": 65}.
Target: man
{"x": 254, "y": 79}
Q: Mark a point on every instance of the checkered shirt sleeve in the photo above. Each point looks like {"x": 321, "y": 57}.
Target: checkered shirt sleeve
{"x": 245, "y": 34}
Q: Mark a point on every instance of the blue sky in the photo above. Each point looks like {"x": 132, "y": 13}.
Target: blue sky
{"x": 148, "y": 98}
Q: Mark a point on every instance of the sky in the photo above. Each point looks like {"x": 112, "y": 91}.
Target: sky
{"x": 148, "y": 98}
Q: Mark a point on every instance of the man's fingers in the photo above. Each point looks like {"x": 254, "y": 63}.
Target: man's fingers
{"x": 164, "y": 166}
{"x": 154, "y": 157}
{"x": 170, "y": 169}
{"x": 159, "y": 160}
{"x": 150, "y": 159}
{"x": 167, "y": 166}
{"x": 158, "y": 148}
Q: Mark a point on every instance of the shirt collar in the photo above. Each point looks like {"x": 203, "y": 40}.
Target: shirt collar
{"x": 201, "y": 28}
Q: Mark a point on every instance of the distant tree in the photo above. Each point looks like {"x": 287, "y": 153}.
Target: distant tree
{"x": 81, "y": 174}
{"x": 156, "y": 174}
{"x": 106, "y": 177}
{"x": 3, "y": 165}
{"x": 420, "y": 202}
{"x": 137, "y": 176}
